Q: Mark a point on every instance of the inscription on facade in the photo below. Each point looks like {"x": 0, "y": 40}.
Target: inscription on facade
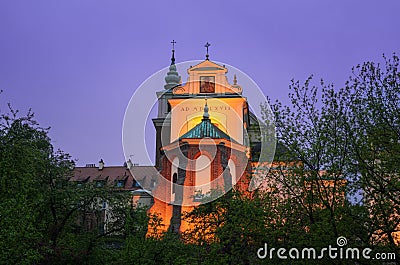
{"x": 211, "y": 108}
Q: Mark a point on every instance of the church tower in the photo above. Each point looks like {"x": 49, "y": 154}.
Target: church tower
{"x": 202, "y": 141}
{"x": 162, "y": 123}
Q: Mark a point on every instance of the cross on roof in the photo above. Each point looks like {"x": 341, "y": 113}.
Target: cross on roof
{"x": 173, "y": 52}
{"x": 173, "y": 44}
{"x": 207, "y": 45}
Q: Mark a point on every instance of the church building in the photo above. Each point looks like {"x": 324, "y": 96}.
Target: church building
{"x": 205, "y": 142}
{"x": 203, "y": 147}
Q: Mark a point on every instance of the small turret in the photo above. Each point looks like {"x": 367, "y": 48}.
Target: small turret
{"x": 172, "y": 79}
{"x": 238, "y": 88}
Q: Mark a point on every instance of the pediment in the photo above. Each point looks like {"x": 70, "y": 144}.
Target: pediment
{"x": 208, "y": 66}
{"x": 207, "y": 77}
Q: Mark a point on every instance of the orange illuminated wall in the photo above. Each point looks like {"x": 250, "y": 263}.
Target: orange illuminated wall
{"x": 164, "y": 199}
{"x": 226, "y": 113}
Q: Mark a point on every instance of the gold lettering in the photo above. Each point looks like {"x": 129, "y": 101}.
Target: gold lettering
{"x": 211, "y": 108}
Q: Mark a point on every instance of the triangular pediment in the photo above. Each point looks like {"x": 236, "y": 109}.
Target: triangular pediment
{"x": 208, "y": 66}
{"x": 208, "y": 77}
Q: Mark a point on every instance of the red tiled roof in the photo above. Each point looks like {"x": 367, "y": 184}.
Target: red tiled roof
{"x": 122, "y": 178}
{"x": 101, "y": 177}
{"x": 143, "y": 174}
{"x": 109, "y": 174}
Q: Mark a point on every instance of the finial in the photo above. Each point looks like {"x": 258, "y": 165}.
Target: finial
{"x": 207, "y": 45}
{"x": 234, "y": 80}
{"x": 173, "y": 52}
{"x": 172, "y": 79}
{"x": 206, "y": 115}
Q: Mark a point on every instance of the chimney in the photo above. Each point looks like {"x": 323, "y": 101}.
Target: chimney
{"x": 129, "y": 164}
{"x": 101, "y": 164}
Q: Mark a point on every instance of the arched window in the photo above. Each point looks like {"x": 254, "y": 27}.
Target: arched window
{"x": 203, "y": 176}
{"x": 174, "y": 180}
{"x": 174, "y": 176}
{"x": 232, "y": 168}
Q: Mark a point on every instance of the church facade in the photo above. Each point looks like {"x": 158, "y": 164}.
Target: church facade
{"x": 203, "y": 147}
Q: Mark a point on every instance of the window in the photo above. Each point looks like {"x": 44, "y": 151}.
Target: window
{"x": 100, "y": 183}
{"x": 136, "y": 184}
{"x": 174, "y": 180}
{"x": 120, "y": 183}
{"x": 174, "y": 177}
{"x": 207, "y": 84}
{"x": 82, "y": 182}
{"x": 232, "y": 171}
{"x": 203, "y": 176}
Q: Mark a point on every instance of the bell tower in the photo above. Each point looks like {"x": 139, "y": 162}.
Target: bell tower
{"x": 162, "y": 123}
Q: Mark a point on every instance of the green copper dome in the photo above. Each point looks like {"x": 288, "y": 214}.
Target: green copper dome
{"x": 206, "y": 129}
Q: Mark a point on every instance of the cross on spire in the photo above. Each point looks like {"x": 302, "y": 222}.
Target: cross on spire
{"x": 173, "y": 52}
{"x": 207, "y": 45}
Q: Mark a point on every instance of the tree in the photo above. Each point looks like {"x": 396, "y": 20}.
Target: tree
{"x": 343, "y": 148}
{"x": 24, "y": 154}
{"x": 307, "y": 181}
{"x": 41, "y": 211}
{"x": 375, "y": 146}
{"x": 229, "y": 230}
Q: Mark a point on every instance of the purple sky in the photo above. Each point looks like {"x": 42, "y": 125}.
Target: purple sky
{"x": 77, "y": 63}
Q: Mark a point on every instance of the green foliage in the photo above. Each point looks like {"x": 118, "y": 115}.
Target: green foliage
{"x": 230, "y": 229}
{"x": 166, "y": 250}
{"x": 307, "y": 191}
{"x": 347, "y": 143}
{"x": 41, "y": 212}
{"x": 24, "y": 156}
{"x": 375, "y": 139}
